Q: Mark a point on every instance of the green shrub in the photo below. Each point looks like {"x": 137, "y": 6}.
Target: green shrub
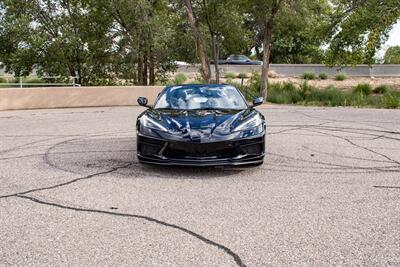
{"x": 323, "y": 76}
{"x": 284, "y": 93}
{"x": 34, "y": 80}
{"x": 230, "y": 75}
{"x": 329, "y": 96}
{"x": 391, "y": 100}
{"x": 242, "y": 75}
{"x": 233, "y": 83}
{"x": 308, "y": 76}
{"x": 254, "y": 82}
{"x": 2, "y": 80}
{"x": 375, "y": 101}
{"x": 164, "y": 82}
{"x": 381, "y": 89}
{"x": 197, "y": 82}
{"x": 357, "y": 100}
{"x": 305, "y": 89}
{"x": 341, "y": 76}
{"x": 169, "y": 83}
{"x": 180, "y": 78}
{"x": 362, "y": 88}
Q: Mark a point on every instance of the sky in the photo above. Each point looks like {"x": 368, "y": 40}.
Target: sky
{"x": 394, "y": 39}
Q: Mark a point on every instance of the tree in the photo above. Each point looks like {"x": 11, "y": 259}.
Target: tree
{"x": 300, "y": 32}
{"x": 200, "y": 44}
{"x": 263, "y": 14}
{"x": 392, "y": 55}
{"x": 358, "y": 28}
{"x": 225, "y": 25}
{"x": 142, "y": 37}
{"x": 52, "y": 37}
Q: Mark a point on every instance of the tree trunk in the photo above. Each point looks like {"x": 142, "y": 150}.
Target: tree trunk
{"x": 145, "y": 70}
{"x": 140, "y": 69}
{"x": 80, "y": 78}
{"x": 266, "y": 56}
{"x": 201, "y": 51}
{"x": 216, "y": 57}
{"x": 152, "y": 76}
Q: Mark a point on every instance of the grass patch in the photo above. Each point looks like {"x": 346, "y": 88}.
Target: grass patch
{"x": 323, "y": 76}
{"x": 242, "y": 76}
{"x": 362, "y": 88}
{"x": 360, "y": 96}
{"x": 284, "y": 93}
{"x": 197, "y": 82}
{"x": 329, "y": 96}
{"x": 381, "y": 89}
{"x": 341, "y": 76}
{"x": 180, "y": 78}
{"x": 233, "y": 83}
{"x": 308, "y": 76}
{"x": 391, "y": 100}
{"x": 230, "y": 75}
{"x": 34, "y": 80}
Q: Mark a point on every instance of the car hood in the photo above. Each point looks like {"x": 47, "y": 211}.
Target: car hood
{"x": 200, "y": 125}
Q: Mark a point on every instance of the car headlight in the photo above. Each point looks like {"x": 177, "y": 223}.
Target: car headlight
{"x": 151, "y": 123}
{"x": 253, "y": 122}
{"x": 251, "y": 127}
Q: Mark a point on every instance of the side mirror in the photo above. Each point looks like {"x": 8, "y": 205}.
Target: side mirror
{"x": 143, "y": 101}
{"x": 258, "y": 101}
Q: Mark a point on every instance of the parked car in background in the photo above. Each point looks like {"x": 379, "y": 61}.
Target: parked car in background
{"x": 239, "y": 60}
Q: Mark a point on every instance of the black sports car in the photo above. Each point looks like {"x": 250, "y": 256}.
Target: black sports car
{"x": 201, "y": 125}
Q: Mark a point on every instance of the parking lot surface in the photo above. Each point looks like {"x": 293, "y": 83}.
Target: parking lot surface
{"x": 73, "y": 193}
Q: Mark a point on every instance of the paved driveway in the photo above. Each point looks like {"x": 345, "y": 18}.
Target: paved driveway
{"x": 73, "y": 193}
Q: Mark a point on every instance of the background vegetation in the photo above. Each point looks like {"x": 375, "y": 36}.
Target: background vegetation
{"x": 361, "y": 95}
{"x": 140, "y": 41}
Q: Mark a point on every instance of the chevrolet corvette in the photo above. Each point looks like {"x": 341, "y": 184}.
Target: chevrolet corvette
{"x": 201, "y": 125}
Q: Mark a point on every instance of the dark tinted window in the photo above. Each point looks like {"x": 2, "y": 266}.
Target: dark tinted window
{"x": 201, "y": 97}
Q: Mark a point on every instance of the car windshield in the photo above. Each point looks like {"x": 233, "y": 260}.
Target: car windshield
{"x": 238, "y": 57}
{"x": 200, "y": 97}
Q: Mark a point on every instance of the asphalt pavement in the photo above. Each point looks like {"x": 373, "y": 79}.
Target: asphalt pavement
{"x": 73, "y": 193}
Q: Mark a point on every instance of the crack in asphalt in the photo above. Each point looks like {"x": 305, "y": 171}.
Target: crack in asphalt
{"x": 372, "y": 151}
{"x": 347, "y": 121}
{"x": 333, "y": 165}
{"x": 343, "y": 156}
{"x": 227, "y": 250}
{"x": 66, "y": 183}
{"x": 68, "y": 152}
{"x": 235, "y": 256}
{"x": 296, "y": 127}
{"x": 361, "y": 130}
{"x": 27, "y": 145}
{"x": 360, "y": 146}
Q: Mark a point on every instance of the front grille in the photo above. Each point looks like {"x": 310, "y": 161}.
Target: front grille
{"x": 149, "y": 146}
{"x": 202, "y": 150}
{"x": 149, "y": 150}
{"x": 254, "y": 149}
{"x": 185, "y": 150}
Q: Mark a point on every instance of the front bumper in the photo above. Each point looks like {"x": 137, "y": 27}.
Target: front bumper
{"x": 232, "y": 152}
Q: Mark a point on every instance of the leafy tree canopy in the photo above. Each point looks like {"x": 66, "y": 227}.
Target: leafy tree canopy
{"x": 392, "y": 55}
{"x": 138, "y": 41}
